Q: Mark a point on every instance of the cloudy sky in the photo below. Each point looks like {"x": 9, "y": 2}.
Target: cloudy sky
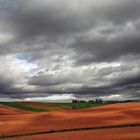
{"x": 68, "y": 49}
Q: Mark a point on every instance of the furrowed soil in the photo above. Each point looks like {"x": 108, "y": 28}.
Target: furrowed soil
{"x": 6, "y": 110}
{"x": 107, "y": 134}
{"x": 113, "y": 114}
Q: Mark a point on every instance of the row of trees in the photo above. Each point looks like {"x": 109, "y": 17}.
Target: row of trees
{"x": 90, "y": 101}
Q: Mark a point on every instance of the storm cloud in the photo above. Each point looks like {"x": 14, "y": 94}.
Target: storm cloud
{"x": 79, "y": 49}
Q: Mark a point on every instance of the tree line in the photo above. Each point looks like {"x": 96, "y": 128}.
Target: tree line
{"x": 89, "y": 101}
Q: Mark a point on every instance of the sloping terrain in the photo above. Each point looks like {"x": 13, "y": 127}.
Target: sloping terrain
{"x": 35, "y": 106}
{"x": 44, "y": 106}
{"x": 7, "y": 110}
{"x": 113, "y": 114}
{"x": 107, "y": 134}
{"x": 24, "y": 107}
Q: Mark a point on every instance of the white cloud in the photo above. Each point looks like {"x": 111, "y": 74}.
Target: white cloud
{"x": 113, "y": 97}
{"x": 55, "y": 98}
{"x": 5, "y": 38}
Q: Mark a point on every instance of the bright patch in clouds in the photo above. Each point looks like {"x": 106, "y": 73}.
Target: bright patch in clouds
{"x": 55, "y": 98}
{"x": 21, "y": 56}
{"x": 22, "y": 63}
{"x": 5, "y": 37}
{"x": 113, "y": 97}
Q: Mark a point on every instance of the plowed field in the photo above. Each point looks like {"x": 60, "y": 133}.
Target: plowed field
{"x": 113, "y": 114}
{"x": 107, "y": 134}
{"x": 6, "y": 110}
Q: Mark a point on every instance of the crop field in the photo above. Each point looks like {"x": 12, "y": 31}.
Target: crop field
{"x": 21, "y": 106}
{"x": 41, "y": 107}
{"x": 64, "y": 123}
{"x": 44, "y": 106}
{"x": 79, "y": 105}
{"x": 7, "y": 110}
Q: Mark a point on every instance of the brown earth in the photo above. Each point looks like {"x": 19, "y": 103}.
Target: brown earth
{"x": 106, "y": 134}
{"x": 113, "y": 114}
{"x": 7, "y": 110}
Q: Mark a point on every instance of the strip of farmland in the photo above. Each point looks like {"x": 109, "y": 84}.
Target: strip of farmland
{"x": 70, "y": 130}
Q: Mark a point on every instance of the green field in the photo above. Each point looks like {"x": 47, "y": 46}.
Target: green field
{"x": 79, "y": 105}
{"x": 40, "y": 107}
{"x": 22, "y": 107}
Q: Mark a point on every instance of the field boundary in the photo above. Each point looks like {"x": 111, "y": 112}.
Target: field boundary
{"x": 69, "y": 130}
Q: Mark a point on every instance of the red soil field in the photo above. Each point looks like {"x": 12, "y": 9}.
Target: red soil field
{"x": 106, "y": 134}
{"x": 6, "y": 110}
{"x": 44, "y": 106}
{"x": 113, "y": 114}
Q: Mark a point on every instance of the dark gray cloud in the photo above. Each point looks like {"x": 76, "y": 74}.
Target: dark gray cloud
{"x": 107, "y": 50}
{"x": 82, "y": 48}
{"x": 132, "y": 81}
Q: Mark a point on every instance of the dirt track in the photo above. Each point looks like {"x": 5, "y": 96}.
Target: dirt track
{"x": 90, "y": 117}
